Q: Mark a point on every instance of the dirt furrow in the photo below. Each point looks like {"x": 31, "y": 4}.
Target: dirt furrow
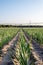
{"x": 9, "y": 51}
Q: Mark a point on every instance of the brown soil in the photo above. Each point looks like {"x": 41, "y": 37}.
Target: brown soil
{"x": 6, "y": 47}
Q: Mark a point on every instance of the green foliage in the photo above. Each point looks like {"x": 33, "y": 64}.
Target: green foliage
{"x": 24, "y": 51}
{"x": 36, "y": 33}
{"x": 6, "y": 34}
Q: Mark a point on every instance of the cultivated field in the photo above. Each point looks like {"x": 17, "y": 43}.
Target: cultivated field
{"x": 6, "y": 34}
{"x": 21, "y": 46}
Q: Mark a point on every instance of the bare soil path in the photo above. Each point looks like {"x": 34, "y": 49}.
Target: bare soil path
{"x": 8, "y": 51}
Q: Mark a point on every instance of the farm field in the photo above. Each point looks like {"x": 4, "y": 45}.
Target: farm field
{"x": 6, "y": 34}
{"x": 26, "y": 46}
{"x": 36, "y": 34}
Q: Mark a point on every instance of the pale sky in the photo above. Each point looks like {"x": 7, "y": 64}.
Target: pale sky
{"x": 21, "y": 11}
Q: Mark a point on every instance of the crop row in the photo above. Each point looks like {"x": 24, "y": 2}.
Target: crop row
{"x": 23, "y": 51}
{"x": 36, "y": 34}
{"x": 6, "y": 34}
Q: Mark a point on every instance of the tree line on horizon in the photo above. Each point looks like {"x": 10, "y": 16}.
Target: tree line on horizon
{"x": 21, "y": 26}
